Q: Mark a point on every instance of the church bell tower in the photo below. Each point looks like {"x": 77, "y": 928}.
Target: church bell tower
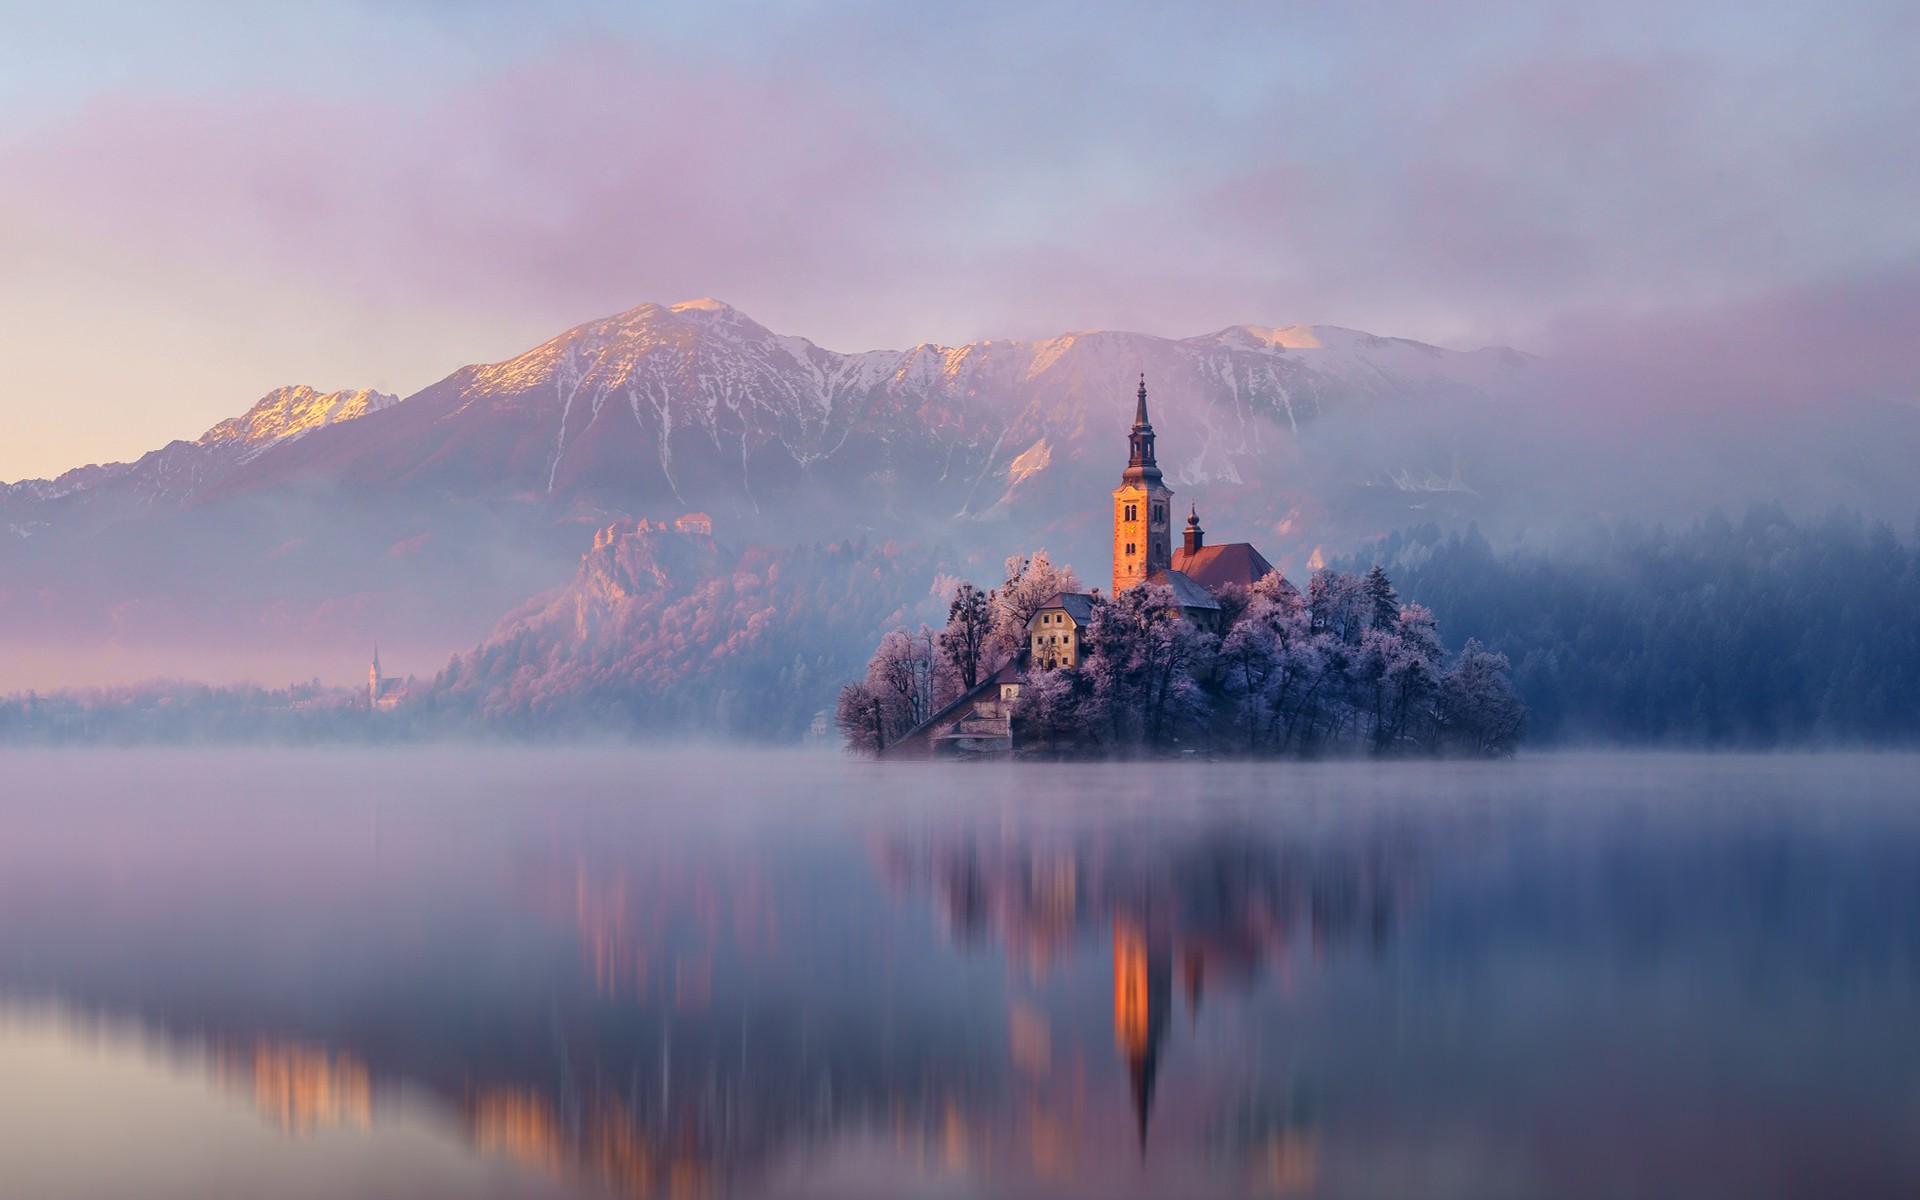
{"x": 1142, "y": 536}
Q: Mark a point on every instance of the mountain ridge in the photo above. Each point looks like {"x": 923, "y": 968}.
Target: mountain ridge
{"x": 700, "y": 405}
{"x": 788, "y": 390}
{"x": 174, "y": 470}
{"x": 317, "y": 523}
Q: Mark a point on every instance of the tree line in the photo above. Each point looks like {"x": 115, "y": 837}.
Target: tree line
{"x": 1768, "y": 631}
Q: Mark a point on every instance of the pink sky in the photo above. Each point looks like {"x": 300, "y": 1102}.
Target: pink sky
{"x": 352, "y": 198}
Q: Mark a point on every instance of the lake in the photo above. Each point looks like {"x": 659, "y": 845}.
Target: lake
{"x": 599, "y": 972}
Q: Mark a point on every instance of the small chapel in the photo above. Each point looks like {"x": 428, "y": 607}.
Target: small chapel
{"x": 384, "y": 693}
{"x": 1143, "y": 552}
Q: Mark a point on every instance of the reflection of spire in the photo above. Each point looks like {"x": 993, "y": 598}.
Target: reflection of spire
{"x": 1142, "y": 993}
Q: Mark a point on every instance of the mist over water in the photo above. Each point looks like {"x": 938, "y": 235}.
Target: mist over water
{"x": 589, "y": 972}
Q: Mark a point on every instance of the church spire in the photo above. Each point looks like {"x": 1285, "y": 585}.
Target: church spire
{"x": 1140, "y": 440}
{"x": 1142, "y": 542}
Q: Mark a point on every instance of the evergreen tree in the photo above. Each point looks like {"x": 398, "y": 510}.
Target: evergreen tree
{"x": 1383, "y": 603}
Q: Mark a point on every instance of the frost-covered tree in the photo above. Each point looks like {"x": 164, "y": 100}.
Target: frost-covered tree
{"x": 963, "y": 643}
{"x": 901, "y": 674}
{"x": 1266, "y": 667}
{"x": 1142, "y": 664}
{"x": 1339, "y": 604}
{"x": 1250, "y": 656}
{"x": 1476, "y": 708}
{"x": 1382, "y": 602}
{"x": 1050, "y": 712}
{"x": 1400, "y": 663}
{"x": 860, "y": 719}
{"x": 1029, "y": 582}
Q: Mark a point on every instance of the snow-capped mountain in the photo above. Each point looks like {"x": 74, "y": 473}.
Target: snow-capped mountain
{"x": 178, "y": 470}
{"x": 698, "y": 406}
{"x": 290, "y": 412}
{"x": 316, "y": 522}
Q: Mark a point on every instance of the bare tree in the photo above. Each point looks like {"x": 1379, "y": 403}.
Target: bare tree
{"x": 963, "y": 643}
{"x": 860, "y": 719}
{"x": 901, "y": 673}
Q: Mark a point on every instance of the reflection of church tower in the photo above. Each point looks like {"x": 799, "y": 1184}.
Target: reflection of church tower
{"x": 1142, "y": 994}
{"x": 1142, "y": 542}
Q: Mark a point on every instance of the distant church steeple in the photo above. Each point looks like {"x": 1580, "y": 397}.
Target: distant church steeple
{"x": 1142, "y": 541}
{"x": 373, "y": 679}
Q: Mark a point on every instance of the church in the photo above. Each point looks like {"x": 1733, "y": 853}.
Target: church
{"x": 1143, "y": 552}
{"x": 384, "y": 693}
{"x": 980, "y": 722}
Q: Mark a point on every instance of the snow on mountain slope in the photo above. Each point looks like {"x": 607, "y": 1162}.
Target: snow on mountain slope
{"x": 316, "y": 523}
{"x": 696, "y": 405}
{"x": 178, "y": 470}
{"x": 291, "y": 412}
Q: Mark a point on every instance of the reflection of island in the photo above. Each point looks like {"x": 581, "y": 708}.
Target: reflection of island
{"x": 653, "y": 1021}
{"x": 744, "y": 1037}
{"x": 1215, "y": 913}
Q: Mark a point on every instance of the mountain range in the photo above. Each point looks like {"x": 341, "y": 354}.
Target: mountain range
{"x": 283, "y": 543}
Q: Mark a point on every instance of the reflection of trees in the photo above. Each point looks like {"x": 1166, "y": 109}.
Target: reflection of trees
{"x": 301, "y": 1088}
{"x": 710, "y": 1032}
{"x": 1230, "y": 904}
{"x": 680, "y": 1022}
{"x": 771, "y": 1052}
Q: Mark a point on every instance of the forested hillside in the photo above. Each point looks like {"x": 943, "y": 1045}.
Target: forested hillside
{"x": 1754, "y": 633}
{"x": 665, "y": 632}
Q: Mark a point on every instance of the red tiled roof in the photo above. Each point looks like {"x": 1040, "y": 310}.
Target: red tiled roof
{"x": 1214, "y": 567}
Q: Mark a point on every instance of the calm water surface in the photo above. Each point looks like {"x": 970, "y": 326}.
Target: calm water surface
{"x": 588, "y": 973}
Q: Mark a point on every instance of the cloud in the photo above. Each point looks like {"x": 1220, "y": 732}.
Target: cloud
{"x": 868, "y": 175}
{"x": 582, "y": 182}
